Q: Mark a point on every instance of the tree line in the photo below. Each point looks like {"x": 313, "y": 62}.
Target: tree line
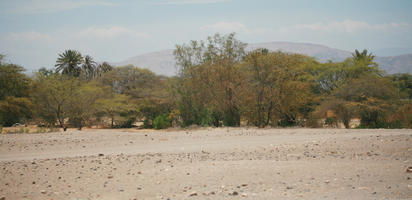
{"x": 219, "y": 83}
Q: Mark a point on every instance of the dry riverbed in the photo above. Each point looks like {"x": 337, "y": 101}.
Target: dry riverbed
{"x": 223, "y": 163}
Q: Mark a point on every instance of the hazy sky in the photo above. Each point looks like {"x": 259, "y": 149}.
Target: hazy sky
{"x": 33, "y": 32}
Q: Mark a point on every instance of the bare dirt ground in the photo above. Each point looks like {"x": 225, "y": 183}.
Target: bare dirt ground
{"x": 224, "y": 163}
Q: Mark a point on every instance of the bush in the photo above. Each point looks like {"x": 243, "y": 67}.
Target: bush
{"x": 128, "y": 122}
{"x": 209, "y": 118}
{"x": 331, "y": 122}
{"x": 286, "y": 123}
{"x": 147, "y": 123}
{"x": 162, "y": 121}
{"x": 41, "y": 130}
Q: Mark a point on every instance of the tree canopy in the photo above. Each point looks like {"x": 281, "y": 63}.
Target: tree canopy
{"x": 219, "y": 83}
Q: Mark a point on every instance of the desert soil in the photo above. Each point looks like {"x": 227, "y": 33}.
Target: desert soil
{"x": 210, "y": 163}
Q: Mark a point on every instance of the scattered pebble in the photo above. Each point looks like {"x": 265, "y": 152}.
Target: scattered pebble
{"x": 409, "y": 170}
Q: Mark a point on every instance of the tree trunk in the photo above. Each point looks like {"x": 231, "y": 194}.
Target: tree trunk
{"x": 269, "y": 111}
{"x": 111, "y": 125}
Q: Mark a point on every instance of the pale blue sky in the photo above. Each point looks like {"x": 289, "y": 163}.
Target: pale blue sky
{"x": 34, "y": 32}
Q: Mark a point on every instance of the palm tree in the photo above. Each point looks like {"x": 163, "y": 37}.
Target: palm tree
{"x": 363, "y": 57}
{"x": 103, "y": 68}
{"x": 69, "y": 63}
{"x": 88, "y": 68}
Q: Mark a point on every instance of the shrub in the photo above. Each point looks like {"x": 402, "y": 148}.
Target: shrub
{"x": 209, "y": 118}
{"x": 162, "y": 121}
{"x": 41, "y": 130}
{"x": 331, "y": 121}
{"x": 147, "y": 123}
{"x": 128, "y": 123}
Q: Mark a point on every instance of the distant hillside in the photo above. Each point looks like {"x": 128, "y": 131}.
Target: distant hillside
{"x": 320, "y": 52}
{"x": 396, "y": 64}
{"x": 162, "y": 62}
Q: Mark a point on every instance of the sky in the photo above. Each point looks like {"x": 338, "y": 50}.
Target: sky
{"x": 34, "y": 32}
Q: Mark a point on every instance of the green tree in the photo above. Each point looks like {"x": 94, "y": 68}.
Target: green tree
{"x": 69, "y": 63}
{"x": 212, "y": 67}
{"x": 403, "y": 84}
{"x": 13, "y": 82}
{"x": 84, "y": 104}
{"x": 15, "y": 105}
{"x": 278, "y": 88}
{"x": 15, "y": 109}
{"x": 216, "y": 48}
{"x": 329, "y": 76}
{"x": 53, "y": 96}
{"x": 371, "y": 98}
{"x": 132, "y": 81}
{"x": 114, "y": 105}
{"x": 151, "y": 94}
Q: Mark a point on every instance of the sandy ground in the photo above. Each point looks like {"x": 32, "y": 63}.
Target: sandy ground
{"x": 224, "y": 163}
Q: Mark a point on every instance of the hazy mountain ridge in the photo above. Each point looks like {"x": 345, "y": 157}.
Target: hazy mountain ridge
{"x": 396, "y": 64}
{"x": 162, "y": 62}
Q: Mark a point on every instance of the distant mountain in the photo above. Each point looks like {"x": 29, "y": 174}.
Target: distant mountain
{"x": 162, "y": 62}
{"x": 392, "y": 51}
{"x": 395, "y": 64}
{"x": 320, "y": 52}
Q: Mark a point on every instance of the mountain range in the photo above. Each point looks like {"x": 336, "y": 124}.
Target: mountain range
{"x": 163, "y": 63}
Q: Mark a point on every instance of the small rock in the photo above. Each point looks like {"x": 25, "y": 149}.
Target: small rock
{"x": 289, "y": 187}
{"x": 43, "y": 191}
{"x": 409, "y": 170}
{"x": 193, "y": 194}
{"x": 109, "y": 177}
{"x": 100, "y": 154}
{"x": 243, "y": 195}
{"x": 234, "y": 193}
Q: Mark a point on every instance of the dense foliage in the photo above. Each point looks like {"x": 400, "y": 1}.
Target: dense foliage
{"x": 218, "y": 84}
